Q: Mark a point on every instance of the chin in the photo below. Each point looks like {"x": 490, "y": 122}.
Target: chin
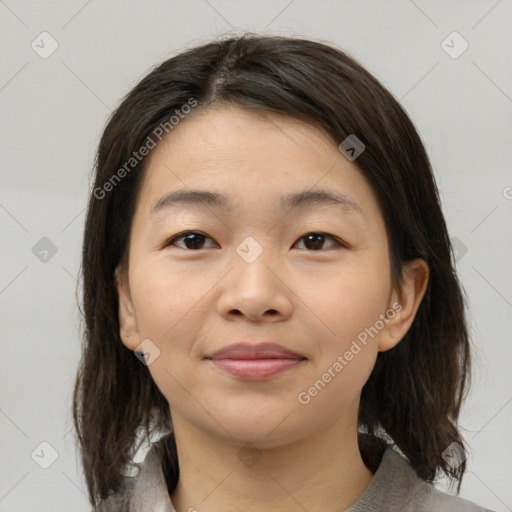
{"x": 269, "y": 432}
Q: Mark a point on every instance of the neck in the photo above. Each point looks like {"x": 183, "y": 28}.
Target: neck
{"x": 323, "y": 472}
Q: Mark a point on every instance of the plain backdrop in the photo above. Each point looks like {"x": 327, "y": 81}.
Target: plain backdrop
{"x": 54, "y": 107}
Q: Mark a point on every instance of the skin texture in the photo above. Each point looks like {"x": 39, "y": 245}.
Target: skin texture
{"x": 191, "y": 302}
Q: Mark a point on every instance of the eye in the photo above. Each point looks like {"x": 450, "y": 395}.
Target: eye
{"x": 316, "y": 240}
{"x": 191, "y": 239}
{"x": 194, "y": 240}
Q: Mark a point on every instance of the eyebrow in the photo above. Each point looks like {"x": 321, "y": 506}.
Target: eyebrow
{"x": 296, "y": 200}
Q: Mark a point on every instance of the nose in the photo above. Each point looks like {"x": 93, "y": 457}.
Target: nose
{"x": 256, "y": 289}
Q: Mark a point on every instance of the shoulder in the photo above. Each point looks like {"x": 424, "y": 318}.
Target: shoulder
{"x": 145, "y": 490}
{"x": 120, "y": 500}
{"x": 396, "y": 488}
{"x": 436, "y": 500}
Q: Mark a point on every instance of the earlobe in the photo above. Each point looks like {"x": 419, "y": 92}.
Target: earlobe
{"x": 415, "y": 275}
{"x": 127, "y": 319}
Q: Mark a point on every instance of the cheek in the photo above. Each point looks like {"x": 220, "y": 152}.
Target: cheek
{"x": 169, "y": 312}
{"x": 350, "y": 301}
{"x": 346, "y": 351}
{"x": 168, "y": 301}
{"x": 349, "y": 307}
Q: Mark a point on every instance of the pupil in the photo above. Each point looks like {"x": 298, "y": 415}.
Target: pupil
{"x": 316, "y": 239}
{"x": 190, "y": 243}
{"x": 195, "y": 240}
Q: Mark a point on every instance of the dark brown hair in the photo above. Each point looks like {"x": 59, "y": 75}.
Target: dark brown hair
{"x": 416, "y": 389}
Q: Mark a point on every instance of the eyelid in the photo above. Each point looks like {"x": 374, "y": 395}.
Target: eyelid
{"x": 338, "y": 241}
{"x": 177, "y": 236}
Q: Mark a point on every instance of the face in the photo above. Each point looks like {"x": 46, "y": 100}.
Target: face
{"x": 311, "y": 275}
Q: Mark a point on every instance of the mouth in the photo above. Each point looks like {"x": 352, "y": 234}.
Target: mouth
{"x": 255, "y": 362}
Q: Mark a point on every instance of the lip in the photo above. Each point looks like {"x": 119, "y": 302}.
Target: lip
{"x": 248, "y": 351}
{"x": 255, "y": 362}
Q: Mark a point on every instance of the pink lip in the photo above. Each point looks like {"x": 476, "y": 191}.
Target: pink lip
{"x": 255, "y": 362}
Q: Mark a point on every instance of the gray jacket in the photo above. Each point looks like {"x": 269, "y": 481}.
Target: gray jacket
{"x": 395, "y": 487}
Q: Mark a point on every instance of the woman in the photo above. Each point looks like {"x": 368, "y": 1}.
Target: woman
{"x": 269, "y": 286}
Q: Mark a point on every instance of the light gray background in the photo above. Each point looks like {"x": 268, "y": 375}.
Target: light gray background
{"x": 53, "y": 111}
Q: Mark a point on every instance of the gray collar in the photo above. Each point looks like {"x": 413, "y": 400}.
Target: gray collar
{"x": 394, "y": 487}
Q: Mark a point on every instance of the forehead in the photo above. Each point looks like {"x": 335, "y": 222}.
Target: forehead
{"x": 230, "y": 131}
{"x": 250, "y": 156}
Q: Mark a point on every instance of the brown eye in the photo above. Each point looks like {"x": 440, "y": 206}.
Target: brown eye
{"x": 192, "y": 240}
{"x": 195, "y": 240}
{"x": 315, "y": 241}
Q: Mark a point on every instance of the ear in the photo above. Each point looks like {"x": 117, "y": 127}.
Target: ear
{"x": 404, "y": 303}
{"x": 129, "y": 331}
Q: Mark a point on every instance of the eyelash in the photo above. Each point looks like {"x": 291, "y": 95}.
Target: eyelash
{"x": 184, "y": 234}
